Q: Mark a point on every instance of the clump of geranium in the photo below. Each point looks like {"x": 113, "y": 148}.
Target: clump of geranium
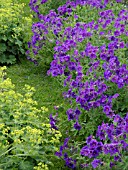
{"x": 90, "y": 54}
{"x": 91, "y": 70}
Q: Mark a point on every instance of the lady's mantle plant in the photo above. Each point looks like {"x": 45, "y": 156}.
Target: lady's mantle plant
{"x": 26, "y": 139}
{"x": 14, "y": 31}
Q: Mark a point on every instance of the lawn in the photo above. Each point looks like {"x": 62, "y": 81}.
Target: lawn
{"x": 48, "y": 90}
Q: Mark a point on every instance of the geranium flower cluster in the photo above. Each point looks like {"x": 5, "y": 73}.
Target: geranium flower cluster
{"x": 53, "y": 23}
{"x": 110, "y": 139}
{"x": 115, "y": 134}
{"x": 53, "y": 121}
{"x": 69, "y": 162}
{"x": 34, "y": 4}
{"x": 85, "y": 92}
{"x": 95, "y": 44}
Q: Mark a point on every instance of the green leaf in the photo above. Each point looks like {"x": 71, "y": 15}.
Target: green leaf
{"x": 2, "y": 58}
{"x": 9, "y": 59}
{"x": 11, "y": 39}
{"x": 22, "y": 51}
{"x": 4, "y": 38}
{"x": 3, "y": 47}
{"x": 19, "y": 43}
{"x": 126, "y": 53}
{"x": 26, "y": 165}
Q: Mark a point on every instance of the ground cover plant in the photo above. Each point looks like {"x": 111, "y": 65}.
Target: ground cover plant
{"x": 26, "y": 139}
{"x": 14, "y": 31}
{"x": 90, "y": 54}
{"x": 83, "y": 45}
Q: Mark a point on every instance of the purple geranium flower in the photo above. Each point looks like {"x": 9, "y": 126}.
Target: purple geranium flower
{"x": 77, "y": 126}
{"x": 96, "y": 163}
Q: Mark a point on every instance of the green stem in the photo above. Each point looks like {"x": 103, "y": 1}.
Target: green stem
{"x": 7, "y": 151}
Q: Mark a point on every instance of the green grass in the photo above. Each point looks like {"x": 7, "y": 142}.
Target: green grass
{"x": 48, "y": 89}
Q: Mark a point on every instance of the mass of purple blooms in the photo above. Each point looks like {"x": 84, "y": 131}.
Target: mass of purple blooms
{"x": 91, "y": 88}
